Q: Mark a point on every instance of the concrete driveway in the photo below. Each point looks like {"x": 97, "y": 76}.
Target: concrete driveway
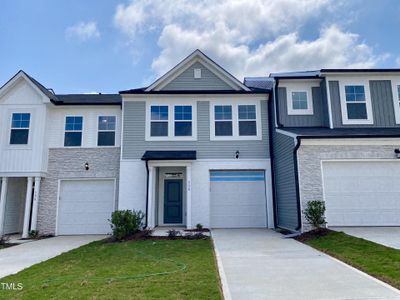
{"x": 388, "y": 236}
{"x": 17, "y": 258}
{"x": 260, "y": 264}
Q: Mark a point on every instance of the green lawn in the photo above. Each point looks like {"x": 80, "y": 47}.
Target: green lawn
{"x": 377, "y": 260}
{"x": 164, "y": 269}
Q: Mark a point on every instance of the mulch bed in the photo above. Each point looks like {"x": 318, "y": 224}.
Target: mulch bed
{"x": 142, "y": 235}
{"x": 313, "y": 234}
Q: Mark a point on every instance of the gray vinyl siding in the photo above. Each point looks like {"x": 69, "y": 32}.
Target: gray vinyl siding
{"x": 285, "y": 181}
{"x": 324, "y": 103}
{"x": 134, "y": 144}
{"x": 186, "y": 80}
{"x": 314, "y": 120}
{"x": 382, "y": 104}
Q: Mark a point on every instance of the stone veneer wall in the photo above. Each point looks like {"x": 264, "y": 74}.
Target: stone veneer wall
{"x": 309, "y": 166}
{"x": 68, "y": 163}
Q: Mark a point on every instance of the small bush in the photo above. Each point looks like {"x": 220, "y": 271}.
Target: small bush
{"x": 199, "y": 227}
{"x": 172, "y": 234}
{"x": 196, "y": 236}
{"x": 33, "y": 234}
{"x": 125, "y": 223}
{"x": 315, "y": 213}
{"x": 4, "y": 240}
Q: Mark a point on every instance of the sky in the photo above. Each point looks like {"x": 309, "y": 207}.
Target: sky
{"x": 75, "y": 46}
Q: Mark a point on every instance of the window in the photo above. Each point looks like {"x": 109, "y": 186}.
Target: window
{"x": 183, "y": 120}
{"x": 159, "y": 121}
{"x": 20, "y": 128}
{"x": 299, "y": 100}
{"x": 73, "y": 131}
{"x": 356, "y": 103}
{"x": 398, "y": 94}
{"x": 223, "y": 120}
{"x": 106, "y": 131}
{"x": 247, "y": 120}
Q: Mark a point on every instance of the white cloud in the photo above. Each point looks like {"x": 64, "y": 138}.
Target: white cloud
{"x": 83, "y": 31}
{"x": 246, "y": 37}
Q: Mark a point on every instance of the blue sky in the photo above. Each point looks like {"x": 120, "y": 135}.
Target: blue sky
{"x": 107, "y": 46}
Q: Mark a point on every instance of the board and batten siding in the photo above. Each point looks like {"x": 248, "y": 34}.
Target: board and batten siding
{"x": 382, "y": 104}
{"x": 314, "y": 120}
{"x": 285, "y": 181}
{"x": 186, "y": 80}
{"x": 134, "y": 143}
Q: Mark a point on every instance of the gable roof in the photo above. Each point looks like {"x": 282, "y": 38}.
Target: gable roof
{"x": 34, "y": 83}
{"x": 69, "y": 99}
{"x": 197, "y": 55}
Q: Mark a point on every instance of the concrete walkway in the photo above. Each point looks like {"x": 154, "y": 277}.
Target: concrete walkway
{"x": 388, "y": 236}
{"x": 17, "y": 258}
{"x": 260, "y": 264}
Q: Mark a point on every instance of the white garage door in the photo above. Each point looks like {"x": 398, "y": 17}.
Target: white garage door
{"x": 237, "y": 199}
{"x": 85, "y": 206}
{"x": 362, "y": 193}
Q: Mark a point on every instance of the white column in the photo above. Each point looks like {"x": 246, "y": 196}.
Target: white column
{"x": 189, "y": 197}
{"x": 150, "y": 207}
{"x": 3, "y": 199}
{"x": 35, "y": 207}
{"x": 27, "y": 213}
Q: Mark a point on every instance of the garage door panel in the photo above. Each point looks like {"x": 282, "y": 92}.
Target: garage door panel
{"x": 85, "y": 206}
{"x": 237, "y": 199}
{"x": 362, "y": 193}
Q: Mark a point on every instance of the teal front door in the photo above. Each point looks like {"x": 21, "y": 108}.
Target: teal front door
{"x": 173, "y": 204}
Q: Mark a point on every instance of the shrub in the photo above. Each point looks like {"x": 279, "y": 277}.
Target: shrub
{"x": 315, "y": 213}
{"x": 199, "y": 227}
{"x": 125, "y": 223}
{"x": 172, "y": 234}
{"x": 33, "y": 234}
{"x": 4, "y": 239}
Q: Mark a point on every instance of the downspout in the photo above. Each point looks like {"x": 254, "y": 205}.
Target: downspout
{"x": 147, "y": 193}
{"x": 272, "y": 159}
{"x": 276, "y": 98}
{"x": 296, "y": 178}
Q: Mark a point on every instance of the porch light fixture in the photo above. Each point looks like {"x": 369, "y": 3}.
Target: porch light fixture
{"x": 397, "y": 152}
{"x": 237, "y": 154}
{"x": 86, "y": 166}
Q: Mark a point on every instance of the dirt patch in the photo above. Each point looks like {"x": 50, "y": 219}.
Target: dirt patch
{"x": 197, "y": 230}
{"x": 313, "y": 234}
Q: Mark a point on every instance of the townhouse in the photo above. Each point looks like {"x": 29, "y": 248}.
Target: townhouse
{"x": 198, "y": 146}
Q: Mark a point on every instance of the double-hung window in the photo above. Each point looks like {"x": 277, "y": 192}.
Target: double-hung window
{"x": 106, "y": 131}
{"x": 20, "y": 124}
{"x": 223, "y": 120}
{"x": 247, "y": 120}
{"x": 159, "y": 120}
{"x": 73, "y": 131}
{"x": 183, "y": 120}
{"x": 356, "y": 103}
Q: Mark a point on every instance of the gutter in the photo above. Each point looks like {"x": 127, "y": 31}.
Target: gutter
{"x": 296, "y": 177}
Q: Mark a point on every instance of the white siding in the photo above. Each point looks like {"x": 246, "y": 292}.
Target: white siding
{"x": 23, "y": 158}
{"x": 90, "y": 115}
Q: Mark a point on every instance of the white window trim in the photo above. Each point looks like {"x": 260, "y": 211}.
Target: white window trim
{"x": 343, "y": 103}
{"x": 97, "y": 132}
{"x": 82, "y": 131}
{"x": 235, "y": 121}
{"x": 20, "y": 146}
{"x": 396, "y": 100}
{"x": 300, "y": 112}
{"x": 171, "y": 121}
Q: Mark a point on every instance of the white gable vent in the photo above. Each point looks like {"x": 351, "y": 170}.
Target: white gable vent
{"x": 197, "y": 73}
